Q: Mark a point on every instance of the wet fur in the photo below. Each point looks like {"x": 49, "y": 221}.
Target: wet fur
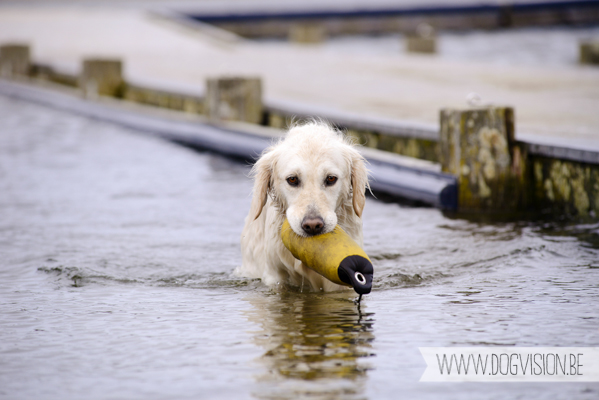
{"x": 310, "y": 151}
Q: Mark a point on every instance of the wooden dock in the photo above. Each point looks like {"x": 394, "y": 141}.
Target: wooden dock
{"x": 558, "y": 103}
{"x": 376, "y": 17}
{"x": 390, "y": 102}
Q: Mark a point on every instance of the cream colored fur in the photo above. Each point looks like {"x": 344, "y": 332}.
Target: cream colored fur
{"x": 311, "y": 152}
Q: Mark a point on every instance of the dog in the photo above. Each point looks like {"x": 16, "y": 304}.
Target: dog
{"x": 316, "y": 179}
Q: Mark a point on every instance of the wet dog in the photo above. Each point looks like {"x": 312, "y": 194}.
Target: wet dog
{"x": 316, "y": 179}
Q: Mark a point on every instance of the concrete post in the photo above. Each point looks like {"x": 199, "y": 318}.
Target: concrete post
{"x": 589, "y": 52}
{"x": 234, "y": 99}
{"x": 478, "y": 146}
{"x": 423, "y": 40}
{"x": 14, "y": 60}
{"x": 307, "y": 33}
{"x": 102, "y": 77}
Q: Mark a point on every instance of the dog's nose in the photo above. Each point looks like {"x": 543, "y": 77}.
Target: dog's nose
{"x": 312, "y": 225}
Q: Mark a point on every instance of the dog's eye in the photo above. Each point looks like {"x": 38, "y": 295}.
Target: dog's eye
{"x": 331, "y": 180}
{"x": 293, "y": 181}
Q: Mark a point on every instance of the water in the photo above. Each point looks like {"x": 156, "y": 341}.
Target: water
{"x": 115, "y": 282}
{"x": 547, "y": 47}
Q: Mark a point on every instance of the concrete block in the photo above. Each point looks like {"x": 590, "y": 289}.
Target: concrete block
{"x": 589, "y": 52}
{"x": 277, "y": 120}
{"x": 102, "y": 77}
{"x": 163, "y": 99}
{"x": 307, "y": 33}
{"x": 478, "y": 147}
{"x": 566, "y": 187}
{"x": 423, "y": 40}
{"x": 234, "y": 99}
{"x": 416, "y": 44}
{"x": 14, "y": 60}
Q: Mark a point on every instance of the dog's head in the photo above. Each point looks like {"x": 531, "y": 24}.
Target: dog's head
{"x": 310, "y": 176}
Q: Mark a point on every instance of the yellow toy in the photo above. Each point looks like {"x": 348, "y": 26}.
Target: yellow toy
{"x": 333, "y": 255}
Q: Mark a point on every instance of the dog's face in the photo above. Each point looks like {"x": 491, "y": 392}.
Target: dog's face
{"x": 310, "y": 175}
{"x": 312, "y": 185}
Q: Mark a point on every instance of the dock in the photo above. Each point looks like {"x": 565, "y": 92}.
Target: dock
{"x": 390, "y": 102}
{"x": 391, "y": 174}
{"x": 259, "y": 19}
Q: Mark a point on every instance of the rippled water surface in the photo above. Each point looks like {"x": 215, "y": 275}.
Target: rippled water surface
{"x": 115, "y": 282}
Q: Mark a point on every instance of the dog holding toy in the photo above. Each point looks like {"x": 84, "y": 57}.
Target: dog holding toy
{"x": 304, "y": 227}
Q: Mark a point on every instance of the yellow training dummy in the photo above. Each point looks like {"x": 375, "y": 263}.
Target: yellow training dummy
{"x": 333, "y": 255}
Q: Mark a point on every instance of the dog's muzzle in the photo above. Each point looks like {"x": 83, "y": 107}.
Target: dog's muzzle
{"x": 334, "y": 255}
{"x": 313, "y": 225}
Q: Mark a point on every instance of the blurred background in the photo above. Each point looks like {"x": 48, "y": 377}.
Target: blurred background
{"x": 127, "y": 134}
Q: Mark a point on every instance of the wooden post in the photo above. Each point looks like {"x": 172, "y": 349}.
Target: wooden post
{"x": 307, "y": 33}
{"x": 478, "y": 146}
{"x": 423, "y": 40}
{"x": 589, "y": 52}
{"x": 234, "y": 99}
{"x": 102, "y": 77}
{"x": 14, "y": 60}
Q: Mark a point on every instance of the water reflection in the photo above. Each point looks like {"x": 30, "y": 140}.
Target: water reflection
{"x": 315, "y": 344}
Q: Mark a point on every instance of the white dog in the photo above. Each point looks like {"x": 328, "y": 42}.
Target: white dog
{"x": 316, "y": 179}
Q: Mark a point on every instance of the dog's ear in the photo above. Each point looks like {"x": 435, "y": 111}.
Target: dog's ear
{"x": 359, "y": 182}
{"x": 262, "y": 172}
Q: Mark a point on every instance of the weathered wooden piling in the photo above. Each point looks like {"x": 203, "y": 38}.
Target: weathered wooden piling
{"x": 589, "y": 52}
{"x": 423, "y": 40}
{"x": 478, "y": 147}
{"x": 102, "y": 77}
{"x": 307, "y": 33}
{"x": 14, "y": 60}
{"x": 234, "y": 99}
